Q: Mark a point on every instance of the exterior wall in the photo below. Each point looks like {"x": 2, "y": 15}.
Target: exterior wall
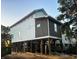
{"x": 42, "y": 30}
{"x": 51, "y": 28}
{"x": 58, "y": 30}
{"x": 47, "y": 27}
{"x": 52, "y": 31}
{"x": 25, "y": 30}
{"x": 64, "y": 39}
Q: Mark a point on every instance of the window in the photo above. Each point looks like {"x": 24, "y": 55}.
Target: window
{"x": 66, "y": 45}
{"x": 55, "y": 27}
{"x": 38, "y": 25}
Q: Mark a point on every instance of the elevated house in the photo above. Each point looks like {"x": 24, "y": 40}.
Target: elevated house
{"x": 36, "y": 32}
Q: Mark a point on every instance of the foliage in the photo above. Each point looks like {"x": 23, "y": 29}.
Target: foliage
{"x": 5, "y": 41}
{"x": 68, "y": 9}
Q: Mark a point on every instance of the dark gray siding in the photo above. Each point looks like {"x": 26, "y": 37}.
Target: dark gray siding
{"x": 58, "y": 30}
{"x": 52, "y": 31}
{"x": 51, "y": 28}
{"x": 43, "y": 29}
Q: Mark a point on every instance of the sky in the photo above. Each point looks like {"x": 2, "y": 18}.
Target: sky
{"x": 14, "y": 10}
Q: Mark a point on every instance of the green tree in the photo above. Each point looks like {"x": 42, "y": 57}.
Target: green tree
{"x": 68, "y": 9}
{"x": 5, "y": 40}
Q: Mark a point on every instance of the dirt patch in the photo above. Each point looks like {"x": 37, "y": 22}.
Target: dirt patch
{"x": 36, "y": 56}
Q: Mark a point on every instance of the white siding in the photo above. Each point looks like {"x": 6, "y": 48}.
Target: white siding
{"x": 64, "y": 39}
{"x": 26, "y": 29}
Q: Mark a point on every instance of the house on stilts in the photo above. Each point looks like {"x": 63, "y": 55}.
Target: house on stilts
{"x": 37, "y": 32}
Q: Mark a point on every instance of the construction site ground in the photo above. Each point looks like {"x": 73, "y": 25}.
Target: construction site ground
{"x": 29, "y": 55}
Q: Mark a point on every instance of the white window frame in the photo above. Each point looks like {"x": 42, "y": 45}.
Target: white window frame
{"x": 38, "y": 25}
{"x": 55, "y": 27}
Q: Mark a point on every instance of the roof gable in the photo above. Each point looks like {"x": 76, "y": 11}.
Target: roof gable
{"x": 24, "y": 18}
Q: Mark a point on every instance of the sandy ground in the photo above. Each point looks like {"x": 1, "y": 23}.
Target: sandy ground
{"x": 36, "y": 56}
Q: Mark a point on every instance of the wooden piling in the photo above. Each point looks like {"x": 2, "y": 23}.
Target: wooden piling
{"x": 45, "y": 49}
{"x": 36, "y": 47}
{"x": 31, "y": 46}
{"x": 49, "y": 46}
{"x": 41, "y": 48}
